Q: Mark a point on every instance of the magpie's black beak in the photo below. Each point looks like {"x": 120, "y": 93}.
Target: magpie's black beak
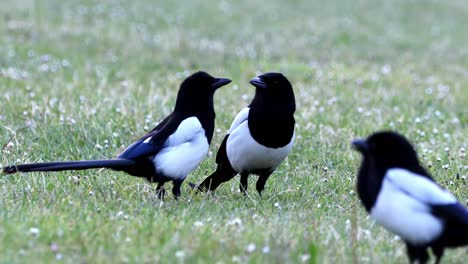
{"x": 218, "y": 82}
{"x": 257, "y": 82}
{"x": 360, "y": 145}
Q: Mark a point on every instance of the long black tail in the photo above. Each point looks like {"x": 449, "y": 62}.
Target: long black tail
{"x": 69, "y": 165}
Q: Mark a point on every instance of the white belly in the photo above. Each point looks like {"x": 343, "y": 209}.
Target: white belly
{"x": 245, "y": 154}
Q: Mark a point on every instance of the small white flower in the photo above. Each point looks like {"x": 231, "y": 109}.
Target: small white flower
{"x": 65, "y": 63}
{"x": 235, "y": 221}
{"x": 180, "y": 254}
{"x": 44, "y": 67}
{"x": 305, "y": 257}
{"x": 277, "y": 205}
{"x": 266, "y": 249}
{"x": 386, "y": 69}
{"x": 34, "y": 231}
{"x": 121, "y": 214}
{"x": 54, "y": 247}
{"x": 251, "y": 247}
{"x": 348, "y": 225}
{"x": 45, "y": 58}
{"x": 124, "y": 84}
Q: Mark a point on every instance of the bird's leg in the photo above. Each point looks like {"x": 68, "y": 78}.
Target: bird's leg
{"x": 261, "y": 182}
{"x": 411, "y": 252}
{"x": 438, "y": 252}
{"x": 243, "y": 182}
{"x": 418, "y": 254}
{"x": 160, "y": 190}
{"x": 176, "y": 188}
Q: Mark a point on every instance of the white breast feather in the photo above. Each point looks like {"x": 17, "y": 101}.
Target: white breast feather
{"x": 246, "y": 154}
{"x": 183, "y": 150}
{"x": 242, "y": 116}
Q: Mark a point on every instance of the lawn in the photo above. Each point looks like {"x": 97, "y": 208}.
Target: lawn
{"x": 83, "y": 79}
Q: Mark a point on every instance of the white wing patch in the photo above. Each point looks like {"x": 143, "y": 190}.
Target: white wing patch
{"x": 246, "y": 154}
{"x": 403, "y": 206}
{"x": 242, "y": 116}
{"x": 419, "y": 187}
{"x": 183, "y": 150}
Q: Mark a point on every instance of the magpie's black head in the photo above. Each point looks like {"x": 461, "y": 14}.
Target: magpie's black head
{"x": 274, "y": 88}
{"x": 197, "y": 91}
{"x": 388, "y": 149}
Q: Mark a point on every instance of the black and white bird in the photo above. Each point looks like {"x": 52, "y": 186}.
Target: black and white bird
{"x": 171, "y": 150}
{"x": 402, "y": 196}
{"x": 260, "y": 137}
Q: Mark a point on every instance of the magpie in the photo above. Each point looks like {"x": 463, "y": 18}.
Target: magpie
{"x": 171, "y": 150}
{"x": 260, "y": 137}
{"x": 402, "y": 196}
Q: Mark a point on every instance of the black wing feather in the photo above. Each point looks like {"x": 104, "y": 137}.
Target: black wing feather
{"x": 159, "y": 136}
{"x": 456, "y": 212}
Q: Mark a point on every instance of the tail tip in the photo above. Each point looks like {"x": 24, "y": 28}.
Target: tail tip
{"x": 9, "y": 170}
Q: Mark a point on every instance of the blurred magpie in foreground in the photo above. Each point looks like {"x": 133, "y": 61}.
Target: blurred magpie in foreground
{"x": 260, "y": 137}
{"x": 401, "y": 196}
{"x": 171, "y": 150}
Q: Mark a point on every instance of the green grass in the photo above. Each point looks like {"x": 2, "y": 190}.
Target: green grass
{"x": 82, "y": 79}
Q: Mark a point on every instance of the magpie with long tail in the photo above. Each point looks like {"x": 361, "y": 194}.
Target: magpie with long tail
{"x": 261, "y": 135}
{"x": 171, "y": 150}
{"x": 401, "y": 195}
